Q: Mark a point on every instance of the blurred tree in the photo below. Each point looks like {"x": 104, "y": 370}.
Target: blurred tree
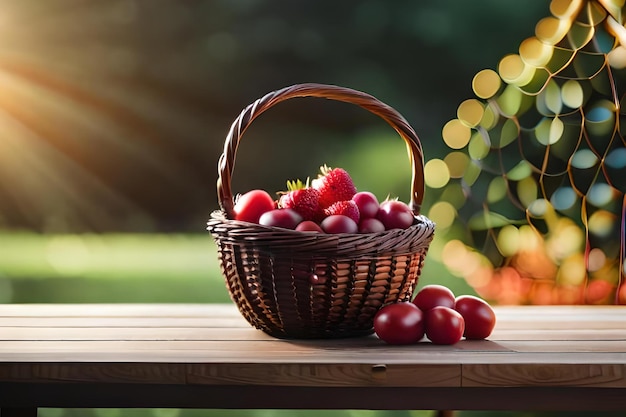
{"x": 535, "y": 174}
{"x": 113, "y": 113}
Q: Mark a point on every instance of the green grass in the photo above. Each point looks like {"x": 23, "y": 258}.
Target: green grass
{"x": 126, "y": 268}
{"x": 107, "y": 256}
{"x": 109, "y": 268}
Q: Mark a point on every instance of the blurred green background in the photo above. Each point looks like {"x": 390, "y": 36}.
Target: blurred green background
{"x": 113, "y": 115}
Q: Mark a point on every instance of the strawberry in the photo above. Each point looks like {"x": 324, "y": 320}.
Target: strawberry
{"x": 347, "y": 208}
{"x": 334, "y": 184}
{"x": 302, "y": 199}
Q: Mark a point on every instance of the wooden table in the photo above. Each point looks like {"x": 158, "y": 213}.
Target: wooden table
{"x": 207, "y": 356}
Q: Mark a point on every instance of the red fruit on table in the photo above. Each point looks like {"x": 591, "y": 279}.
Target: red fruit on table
{"x": 334, "y": 184}
{"x": 444, "y": 325}
{"x": 250, "y": 206}
{"x": 285, "y": 218}
{"x": 395, "y": 214}
{"x": 480, "y": 319}
{"x": 399, "y": 323}
{"x": 434, "y": 295}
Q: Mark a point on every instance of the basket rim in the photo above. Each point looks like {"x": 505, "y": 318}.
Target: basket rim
{"x": 277, "y": 240}
{"x": 220, "y": 215}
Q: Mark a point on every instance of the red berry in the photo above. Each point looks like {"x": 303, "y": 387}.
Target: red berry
{"x": 309, "y": 226}
{"x": 399, "y": 323}
{"x": 334, "y": 185}
{"x": 434, "y": 295}
{"x": 371, "y": 225}
{"x": 395, "y": 215}
{"x": 444, "y": 325}
{"x": 305, "y": 201}
{"x": 285, "y": 218}
{"x": 339, "y": 223}
{"x": 480, "y": 319}
{"x": 346, "y": 208}
{"x": 367, "y": 203}
{"x": 250, "y": 206}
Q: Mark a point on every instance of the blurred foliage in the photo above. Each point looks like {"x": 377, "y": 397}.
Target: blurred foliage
{"x": 534, "y": 181}
{"x": 114, "y": 113}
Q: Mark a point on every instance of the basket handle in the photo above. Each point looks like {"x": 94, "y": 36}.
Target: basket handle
{"x": 226, "y": 162}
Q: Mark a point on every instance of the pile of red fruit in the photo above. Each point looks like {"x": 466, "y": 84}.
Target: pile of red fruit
{"x": 330, "y": 204}
{"x": 437, "y": 314}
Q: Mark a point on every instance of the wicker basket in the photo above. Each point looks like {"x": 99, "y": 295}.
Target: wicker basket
{"x": 307, "y": 285}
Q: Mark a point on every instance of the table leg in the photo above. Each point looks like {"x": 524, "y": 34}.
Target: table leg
{"x": 18, "y": 412}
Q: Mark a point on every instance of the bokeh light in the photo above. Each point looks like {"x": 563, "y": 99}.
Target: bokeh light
{"x": 443, "y": 214}
{"x": 456, "y": 134}
{"x": 534, "y": 52}
{"x": 544, "y": 191}
{"x": 457, "y": 163}
{"x": 478, "y": 146}
{"x": 436, "y": 173}
{"x": 471, "y": 112}
{"x": 486, "y": 83}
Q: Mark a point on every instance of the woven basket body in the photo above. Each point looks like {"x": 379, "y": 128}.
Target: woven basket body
{"x": 309, "y": 285}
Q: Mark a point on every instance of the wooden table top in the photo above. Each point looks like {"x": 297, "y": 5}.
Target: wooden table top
{"x": 208, "y": 356}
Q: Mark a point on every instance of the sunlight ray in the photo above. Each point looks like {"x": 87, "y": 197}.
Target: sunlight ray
{"x": 76, "y": 191}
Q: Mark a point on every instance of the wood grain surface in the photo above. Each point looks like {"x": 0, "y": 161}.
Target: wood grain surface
{"x": 109, "y": 350}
